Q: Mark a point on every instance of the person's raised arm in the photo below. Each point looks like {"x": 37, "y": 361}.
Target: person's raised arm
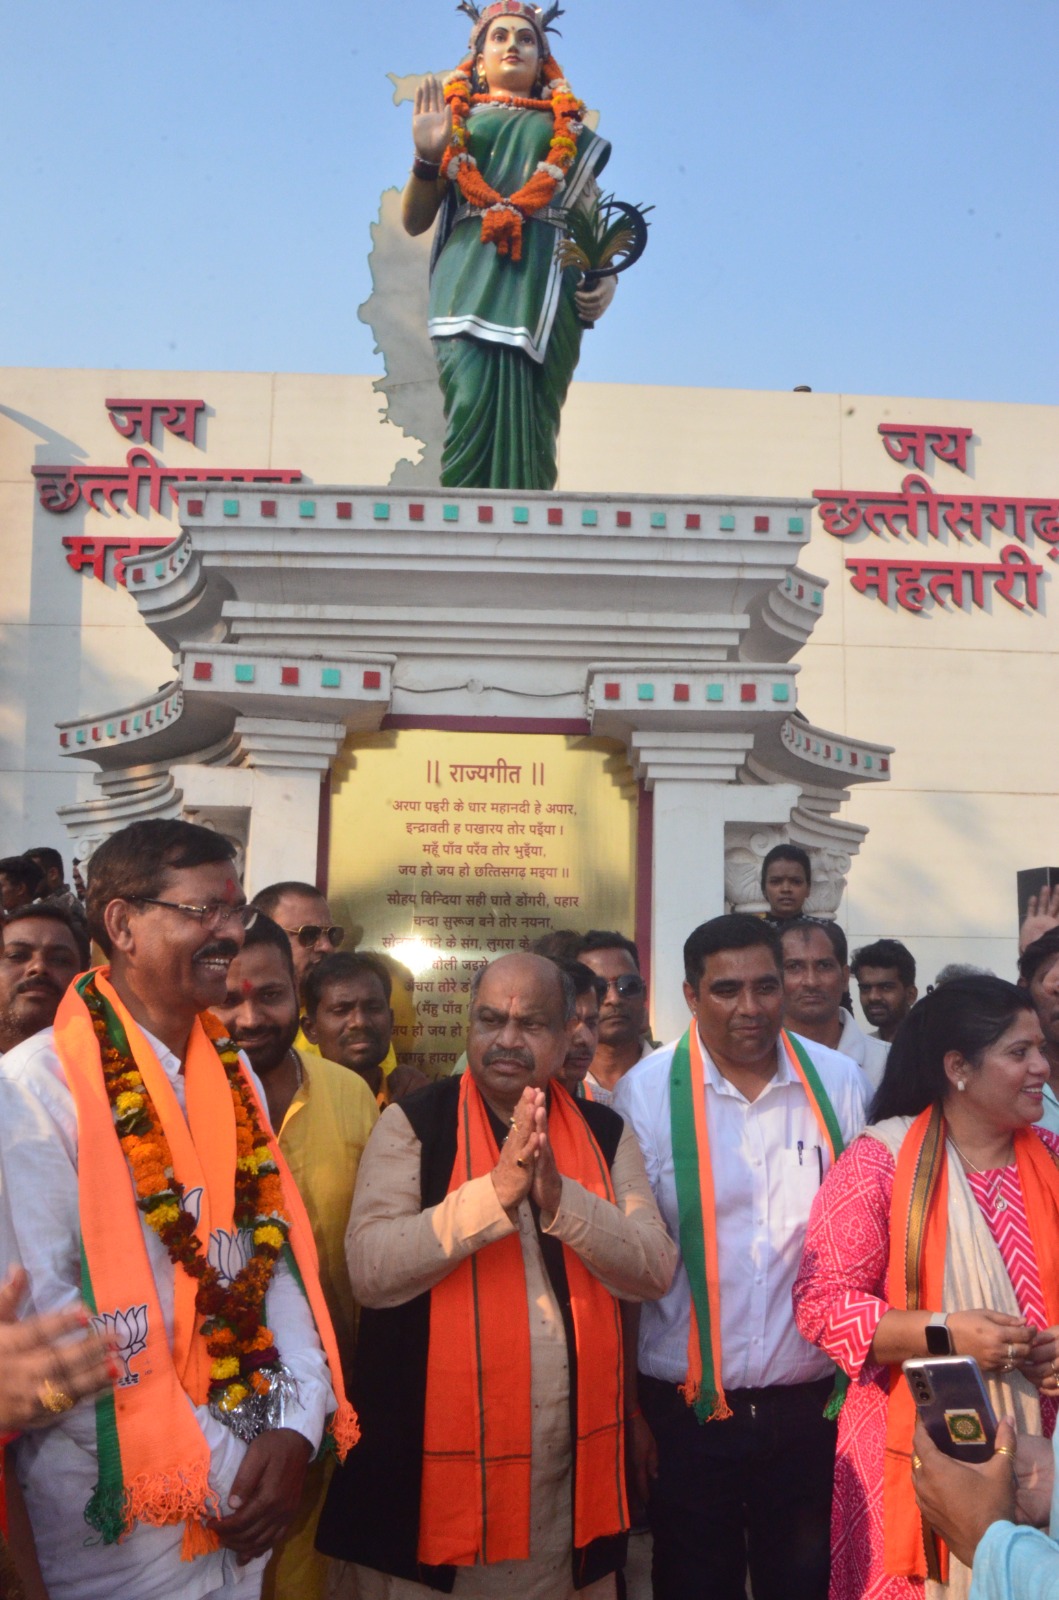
{"x": 431, "y": 132}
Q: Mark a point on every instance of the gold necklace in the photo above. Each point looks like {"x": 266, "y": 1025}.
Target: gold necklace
{"x": 997, "y": 1199}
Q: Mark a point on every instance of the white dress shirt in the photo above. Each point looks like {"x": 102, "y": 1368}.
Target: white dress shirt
{"x": 769, "y": 1159}
{"x": 866, "y": 1049}
{"x": 57, "y": 1466}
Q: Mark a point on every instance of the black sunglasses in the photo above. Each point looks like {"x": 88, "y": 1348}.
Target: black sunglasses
{"x": 309, "y": 932}
{"x": 628, "y": 987}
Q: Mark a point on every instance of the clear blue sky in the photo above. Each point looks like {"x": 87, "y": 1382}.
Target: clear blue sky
{"x": 855, "y": 196}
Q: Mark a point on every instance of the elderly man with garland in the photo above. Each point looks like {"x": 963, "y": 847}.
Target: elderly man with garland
{"x": 138, "y": 1171}
{"x": 503, "y": 154}
{"x": 497, "y": 1223}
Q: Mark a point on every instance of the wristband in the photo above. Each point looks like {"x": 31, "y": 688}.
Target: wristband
{"x": 427, "y": 171}
{"x": 939, "y": 1339}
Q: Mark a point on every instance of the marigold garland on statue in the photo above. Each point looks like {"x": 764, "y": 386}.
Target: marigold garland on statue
{"x": 503, "y": 216}
{"x": 244, "y": 1361}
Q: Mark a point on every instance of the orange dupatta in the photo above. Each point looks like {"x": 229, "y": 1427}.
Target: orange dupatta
{"x": 477, "y": 1436}
{"x": 154, "y": 1459}
{"x": 919, "y": 1222}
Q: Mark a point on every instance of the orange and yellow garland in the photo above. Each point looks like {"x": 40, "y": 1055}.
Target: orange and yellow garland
{"x": 241, "y": 1348}
{"x": 503, "y": 216}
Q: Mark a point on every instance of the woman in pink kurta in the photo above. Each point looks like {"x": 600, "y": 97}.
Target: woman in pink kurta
{"x": 840, "y": 1297}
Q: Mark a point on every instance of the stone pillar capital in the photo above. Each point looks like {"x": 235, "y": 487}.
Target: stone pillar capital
{"x": 275, "y": 742}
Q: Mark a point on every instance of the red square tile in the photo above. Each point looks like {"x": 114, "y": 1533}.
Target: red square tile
{"x": 416, "y": 513}
{"x": 124, "y": 725}
{"x": 624, "y": 519}
{"x": 885, "y": 763}
{"x": 268, "y": 508}
{"x": 801, "y": 591}
{"x": 203, "y": 671}
{"x": 344, "y": 510}
{"x": 555, "y": 517}
{"x": 373, "y": 680}
{"x": 748, "y": 692}
{"x": 693, "y": 521}
{"x": 827, "y": 751}
{"x": 612, "y": 691}
{"x": 196, "y": 508}
{"x": 64, "y": 739}
{"x": 291, "y": 676}
{"x": 485, "y": 514}
{"x": 682, "y": 691}
{"x": 137, "y": 574}
{"x": 853, "y": 758}
{"x": 761, "y": 524}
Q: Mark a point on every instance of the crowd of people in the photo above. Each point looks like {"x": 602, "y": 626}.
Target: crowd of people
{"x": 283, "y": 1317}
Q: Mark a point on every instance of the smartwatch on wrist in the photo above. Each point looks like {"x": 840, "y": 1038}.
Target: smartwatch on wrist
{"x": 939, "y": 1339}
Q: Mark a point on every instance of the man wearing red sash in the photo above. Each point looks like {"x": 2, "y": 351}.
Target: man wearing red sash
{"x": 139, "y": 1173}
{"x": 738, "y": 1121}
{"x": 495, "y": 1224}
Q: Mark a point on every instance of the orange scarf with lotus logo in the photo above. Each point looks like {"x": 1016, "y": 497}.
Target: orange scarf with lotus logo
{"x": 154, "y": 1460}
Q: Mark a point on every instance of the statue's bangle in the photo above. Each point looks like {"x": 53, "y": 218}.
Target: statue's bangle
{"x": 428, "y": 171}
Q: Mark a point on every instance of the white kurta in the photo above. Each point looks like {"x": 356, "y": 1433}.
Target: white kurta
{"x": 57, "y": 1466}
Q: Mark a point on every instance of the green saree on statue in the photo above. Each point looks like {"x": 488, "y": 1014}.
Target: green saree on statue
{"x": 506, "y": 333}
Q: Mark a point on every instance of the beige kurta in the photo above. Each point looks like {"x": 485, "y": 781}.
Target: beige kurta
{"x": 396, "y": 1251}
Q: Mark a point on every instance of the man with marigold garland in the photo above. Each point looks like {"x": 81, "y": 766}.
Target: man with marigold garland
{"x": 138, "y": 1172}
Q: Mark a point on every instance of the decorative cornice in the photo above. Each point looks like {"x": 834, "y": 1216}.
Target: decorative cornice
{"x": 681, "y": 697}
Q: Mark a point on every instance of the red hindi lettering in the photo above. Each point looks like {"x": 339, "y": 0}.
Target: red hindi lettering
{"x": 901, "y": 441}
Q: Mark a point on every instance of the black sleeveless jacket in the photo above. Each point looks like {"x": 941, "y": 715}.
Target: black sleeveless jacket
{"x": 371, "y": 1515}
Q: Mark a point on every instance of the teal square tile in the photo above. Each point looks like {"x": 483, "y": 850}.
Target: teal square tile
{"x": 137, "y": 723}
{"x": 781, "y": 692}
{"x": 81, "y": 736}
{"x": 112, "y": 730}
{"x": 244, "y": 672}
{"x": 869, "y": 763}
{"x": 795, "y": 524}
{"x": 520, "y": 514}
{"x": 715, "y": 691}
{"x": 658, "y": 519}
{"x": 838, "y": 753}
{"x": 727, "y": 524}
{"x": 818, "y": 598}
{"x": 306, "y": 508}
{"x": 450, "y": 513}
{"x": 645, "y": 691}
{"x": 230, "y": 508}
{"x": 159, "y": 569}
{"x": 589, "y": 519}
{"x": 330, "y": 678}
{"x": 381, "y": 512}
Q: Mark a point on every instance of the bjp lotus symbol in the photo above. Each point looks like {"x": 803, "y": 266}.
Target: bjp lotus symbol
{"x": 128, "y": 1330}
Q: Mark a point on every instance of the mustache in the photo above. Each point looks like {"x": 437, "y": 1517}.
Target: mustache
{"x": 498, "y": 1053}
{"x": 219, "y": 947}
{"x": 29, "y": 984}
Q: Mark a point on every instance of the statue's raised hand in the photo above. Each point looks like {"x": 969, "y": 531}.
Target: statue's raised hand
{"x": 432, "y": 121}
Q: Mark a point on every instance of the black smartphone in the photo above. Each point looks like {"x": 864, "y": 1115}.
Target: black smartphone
{"x": 952, "y": 1399}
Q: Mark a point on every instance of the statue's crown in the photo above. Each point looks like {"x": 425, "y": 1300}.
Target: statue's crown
{"x": 539, "y": 19}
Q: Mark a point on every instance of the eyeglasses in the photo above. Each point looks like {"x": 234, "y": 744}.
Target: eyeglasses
{"x": 628, "y": 987}
{"x": 310, "y": 932}
{"x": 212, "y": 917}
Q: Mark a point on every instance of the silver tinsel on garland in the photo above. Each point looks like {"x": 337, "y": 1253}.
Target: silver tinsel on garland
{"x": 259, "y": 1413}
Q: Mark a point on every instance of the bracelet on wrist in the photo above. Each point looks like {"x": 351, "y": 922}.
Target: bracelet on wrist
{"x": 631, "y": 1416}
{"x": 427, "y": 171}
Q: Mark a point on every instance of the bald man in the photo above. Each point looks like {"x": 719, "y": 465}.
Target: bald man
{"x": 470, "y": 1191}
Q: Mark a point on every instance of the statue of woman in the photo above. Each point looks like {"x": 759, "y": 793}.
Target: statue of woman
{"x": 502, "y": 154}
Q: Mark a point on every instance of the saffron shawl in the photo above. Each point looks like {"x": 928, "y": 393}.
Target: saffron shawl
{"x": 478, "y": 1428}
{"x": 943, "y": 1257}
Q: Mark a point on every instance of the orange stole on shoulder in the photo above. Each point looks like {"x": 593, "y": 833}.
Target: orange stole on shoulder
{"x": 919, "y": 1225}
{"x": 478, "y": 1433}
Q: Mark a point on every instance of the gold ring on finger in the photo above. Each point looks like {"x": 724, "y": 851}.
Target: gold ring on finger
{"x": 916, "y": 1462}
{"x": 54, "y": 1399}
{"x": 1005, "y": 1450}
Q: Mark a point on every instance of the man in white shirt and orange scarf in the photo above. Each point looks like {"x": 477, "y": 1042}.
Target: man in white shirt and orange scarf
{"x": 739, "y": 1122}
{"x": 495, "y": 1225}
{"x": 138, "y": 1172}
